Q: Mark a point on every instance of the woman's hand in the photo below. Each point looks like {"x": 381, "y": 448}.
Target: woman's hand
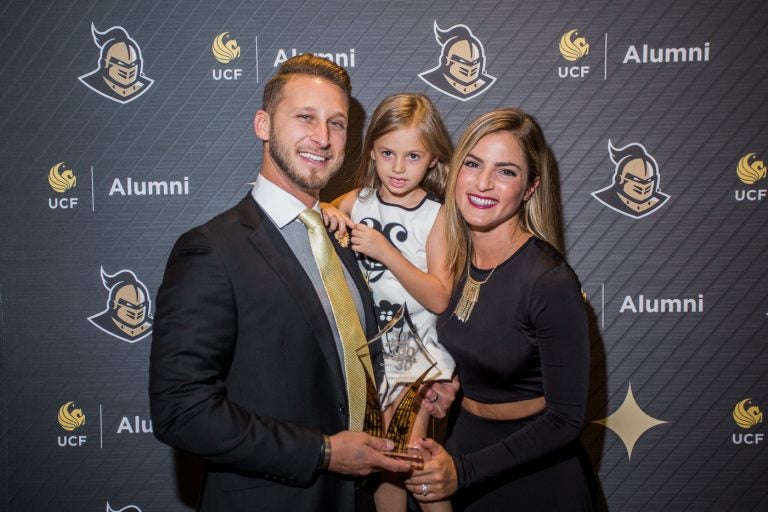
{"x": 437, "y": 480}
{"x": 438, "y": 395}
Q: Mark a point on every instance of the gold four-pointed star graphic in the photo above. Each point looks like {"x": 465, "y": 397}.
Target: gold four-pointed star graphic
{"x": 629, "y": 422}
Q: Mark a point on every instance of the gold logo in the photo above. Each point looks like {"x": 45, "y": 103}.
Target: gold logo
{"x": 225, "y": 52}
{"x": 71, "y": 418}
{"x": 630, "y": 422}
{"x": 573, "y": 46}
{"x": 61, "y": 178}
{"x": 750, "y": 170}
{"x": 747, "y": 417}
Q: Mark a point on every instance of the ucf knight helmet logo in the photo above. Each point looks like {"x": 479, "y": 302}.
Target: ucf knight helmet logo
{"x": 461, "y": 71}
{"x": 635, "y": 190}
{"x": 118, "y": 75}
{"x": 129, "y": 508}
{"x": 128, "y": 314}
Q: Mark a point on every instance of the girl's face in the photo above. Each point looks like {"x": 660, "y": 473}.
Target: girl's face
{"x": 493, "y": 182}
{"x": 402, "y": 161}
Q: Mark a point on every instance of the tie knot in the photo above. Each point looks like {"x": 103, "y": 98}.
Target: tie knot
{"x": 311, "y": 218}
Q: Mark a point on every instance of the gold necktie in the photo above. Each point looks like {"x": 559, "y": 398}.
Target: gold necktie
{"x": 353, "y": 341}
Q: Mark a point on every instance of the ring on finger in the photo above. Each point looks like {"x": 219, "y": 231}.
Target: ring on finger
{"x": 424, "y": 489}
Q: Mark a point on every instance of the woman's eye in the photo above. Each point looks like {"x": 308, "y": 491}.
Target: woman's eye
{"x": 508, "y": 172}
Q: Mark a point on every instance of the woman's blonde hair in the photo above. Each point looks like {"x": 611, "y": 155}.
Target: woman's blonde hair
{"x": 539, "y": 215}
{"x": 407, "y": 110}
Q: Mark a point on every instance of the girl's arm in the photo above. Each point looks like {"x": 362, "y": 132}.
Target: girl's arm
{"x": 431, "y": 288}
{"x": 345, "y": 202}
{"x": 336, "y": 214}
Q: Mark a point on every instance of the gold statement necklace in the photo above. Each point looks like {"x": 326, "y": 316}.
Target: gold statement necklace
{"x": 471, "y": 291}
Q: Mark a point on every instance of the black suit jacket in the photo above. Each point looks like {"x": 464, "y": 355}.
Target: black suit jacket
{"x": 244, "y": 369}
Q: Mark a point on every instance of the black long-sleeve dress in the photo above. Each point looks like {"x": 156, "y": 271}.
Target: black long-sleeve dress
{"x": 527, "y": 337}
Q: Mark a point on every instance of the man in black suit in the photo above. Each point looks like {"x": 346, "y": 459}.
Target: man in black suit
{"x": 245, "y": 369}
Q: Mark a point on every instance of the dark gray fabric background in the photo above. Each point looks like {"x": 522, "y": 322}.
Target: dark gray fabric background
{"x": 697, "y": 120}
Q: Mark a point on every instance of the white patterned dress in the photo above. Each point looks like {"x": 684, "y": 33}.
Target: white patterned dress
{"x": 407, "y": 229}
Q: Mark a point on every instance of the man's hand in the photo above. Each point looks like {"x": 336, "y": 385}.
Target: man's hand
{"x": 359, "y": 454}
{"x": 437, "y": 396}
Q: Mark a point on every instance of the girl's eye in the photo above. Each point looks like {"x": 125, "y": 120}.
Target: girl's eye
{"x": 386, "y": 152}
{"x": 471, "y": 164}
{"x": 413, "y": 156}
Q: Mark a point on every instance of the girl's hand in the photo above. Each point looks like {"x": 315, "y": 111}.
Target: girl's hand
{"x": 367, "y": 240}
{"x": 335, "y": 219}
{"x": 437, "y": 480}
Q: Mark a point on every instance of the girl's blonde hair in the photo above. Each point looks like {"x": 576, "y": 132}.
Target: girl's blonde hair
{"x": 540, "y": 215}
{"x": 406, "y": 110}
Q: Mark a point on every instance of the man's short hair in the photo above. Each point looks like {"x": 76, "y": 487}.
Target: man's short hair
{"x": 304, "y": 64}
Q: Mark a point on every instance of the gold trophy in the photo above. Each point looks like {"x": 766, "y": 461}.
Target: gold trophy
{"x": 406, "y": 345}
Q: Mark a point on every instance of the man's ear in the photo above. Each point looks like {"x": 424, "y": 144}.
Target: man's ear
{"x": 261, "y": 125}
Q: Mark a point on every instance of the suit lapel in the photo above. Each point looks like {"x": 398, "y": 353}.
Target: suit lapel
{"x": 274, "y": 250}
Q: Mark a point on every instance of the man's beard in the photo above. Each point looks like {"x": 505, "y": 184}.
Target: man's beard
{"x": 313, "y": 181}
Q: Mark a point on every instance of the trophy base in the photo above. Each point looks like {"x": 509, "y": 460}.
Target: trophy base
{"x": 412, "y": 456}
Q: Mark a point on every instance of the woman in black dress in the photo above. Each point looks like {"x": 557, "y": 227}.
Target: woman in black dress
{"x": 517, "y": 328}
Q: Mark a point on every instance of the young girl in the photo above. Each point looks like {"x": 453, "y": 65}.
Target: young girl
{"x": 398, "y": 233}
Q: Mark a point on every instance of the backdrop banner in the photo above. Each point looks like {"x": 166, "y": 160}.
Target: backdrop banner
{"x": 108, "y": 155}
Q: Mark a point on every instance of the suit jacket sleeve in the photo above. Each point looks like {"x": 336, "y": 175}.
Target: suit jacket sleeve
{"x": 192, "y": 394}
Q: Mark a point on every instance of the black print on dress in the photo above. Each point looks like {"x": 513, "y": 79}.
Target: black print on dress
{"x": 393, "y": 232}
{"x": 386, "y": 311}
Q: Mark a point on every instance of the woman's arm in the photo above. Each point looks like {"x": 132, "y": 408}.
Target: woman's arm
{"x": 560, "y": 323}
{"x": 559, "y": 318}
